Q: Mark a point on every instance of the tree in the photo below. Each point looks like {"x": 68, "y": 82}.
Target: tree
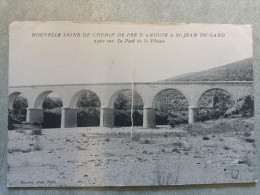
{"x": 89, "y": 99}
{"x": 122, "y": 107}
{"x": 248, "y": 107}
{"x": 177, "y": 118}
{"x": 88, "y": 112}
{"x": 168, "y": 102}
{"x": 51, "y": 103}
{"x": 214, "y": 103}
{"x": 121, "y": 102}
{"x": 52, "y": 112}
{"x": 20, "y": 103}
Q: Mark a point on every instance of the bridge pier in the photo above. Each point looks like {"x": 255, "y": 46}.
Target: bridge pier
{"x": 149, "y": 118}
{"x": 34, "y": 115}
{"x": 193, "y": 114}
{"x": 68, "y": 117}
{"x": 107, "y": 118}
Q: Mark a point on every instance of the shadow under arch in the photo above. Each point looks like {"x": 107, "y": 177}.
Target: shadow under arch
{"x": 88, "y": 106}
{"x": 121, "y": 101}
{"x": 171, "y": 107}
{"x": 213, "y": 103}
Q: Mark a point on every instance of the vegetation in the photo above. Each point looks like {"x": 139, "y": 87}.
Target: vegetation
{"x": 244, "y": 107}
{"x": 171, "y": 108}
{"x": 213, "y": 104}
{"x": 88, "y": 108}
{"x": 26, "y": 149}
{"x": 88, "y": 116}
{"x": 18, "y": 113}
{"x": 237, "y": 71}
{"x": 37, "y": 131}
{"x": 51, "y": 118}
{"x": 51, "y": 113}
{"x": 122, "y": 108}
{"x": 51, "y": 103}
{"x": 177, "y": 118}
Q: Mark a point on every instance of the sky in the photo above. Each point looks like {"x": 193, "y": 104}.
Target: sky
{"x": 52, "y": 60}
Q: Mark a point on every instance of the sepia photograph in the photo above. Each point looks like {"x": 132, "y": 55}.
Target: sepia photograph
{"x": 128, "y": 104}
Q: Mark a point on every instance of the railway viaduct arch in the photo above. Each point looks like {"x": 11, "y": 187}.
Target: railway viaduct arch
{"x": 107, "y": 93}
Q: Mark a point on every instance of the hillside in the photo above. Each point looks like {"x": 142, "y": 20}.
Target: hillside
{"x": 236, "y": 71}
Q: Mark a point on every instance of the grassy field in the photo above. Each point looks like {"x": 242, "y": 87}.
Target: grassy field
{"x": 207, "y": 152}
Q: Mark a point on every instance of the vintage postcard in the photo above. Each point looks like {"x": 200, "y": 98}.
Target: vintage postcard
{"x": 123, "y": 104}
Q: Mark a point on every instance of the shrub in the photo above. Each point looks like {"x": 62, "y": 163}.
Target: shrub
{"x": 216, "y": 114}
{"x": 138, "y": 117}
{"x": 205, "y": 138}
{"x": 169, "y": 100}
{"x": 123, "y": 118}
{"x": 50, "y": 103}
{"x": 177, "y": 118}
{"x": 226, "y": 147}
{"x": 52, "y": 118}
{"x": 247, "y": 108}
{"x": 244, "y": 107}
{"x": 249, "y": 140}
{"x": 210, "y": 113}
{"x": 204, "y": 115}
{"x": 37, "y": 132}
{"x": 161, "y": 118}
{"x": 18, "y": 149}
{"x": 89, "y": 116}
{"x": 213, "y": 104}
{"x": 247, "y": 134}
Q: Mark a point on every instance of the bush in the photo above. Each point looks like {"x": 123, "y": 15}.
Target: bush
{"x": 161, "y": 118}
{"x": 244, "y": 107}
{"x": 169, "y": 100}
{"x": 210, "y": 113}
{"x": 52, "y": 118}
{"x": 213, "y": 104}
{"x": 205, "y": 138}
{"x": 248, "y": 107}
{"x": 37, "y": 132}
{"x": 138, "y": 117}
{"x": 123, "y": 118}
{"x": 88, "y": 116}
{"x": 177, "y": 118}
{"x": 50, "y": 103}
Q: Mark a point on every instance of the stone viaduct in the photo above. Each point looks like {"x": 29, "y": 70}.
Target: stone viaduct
{"x": 108, "y": 92}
